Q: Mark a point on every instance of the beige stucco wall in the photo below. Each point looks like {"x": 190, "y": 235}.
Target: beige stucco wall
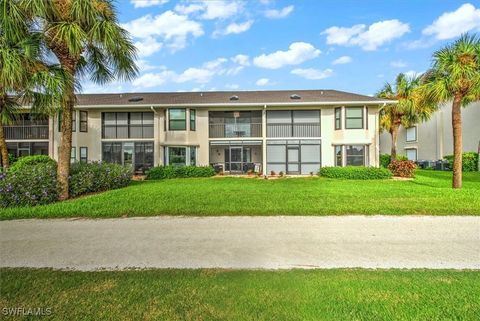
{"x": 434, "y": 137}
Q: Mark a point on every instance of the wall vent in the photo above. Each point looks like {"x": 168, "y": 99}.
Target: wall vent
{"x": 295, "y": 96}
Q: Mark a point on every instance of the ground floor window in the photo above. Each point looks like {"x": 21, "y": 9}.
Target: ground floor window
{"x": 338, "y": 156}
{"x": 138, "y": 155}
{"x": 180, "y": 155}
{"x": 294, "y": 156}
{"x": 20, "y": 149}
{"x": 351, "y": 155}
{"x": 411, "y": 154}
{"x": 83, "y": 154}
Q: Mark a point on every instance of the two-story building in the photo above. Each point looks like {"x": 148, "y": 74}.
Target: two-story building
{"x": 290, "y": 131}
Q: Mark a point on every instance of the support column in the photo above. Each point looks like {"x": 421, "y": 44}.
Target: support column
{"x": 264, "y": 140}
{"x": 156, "y": 137}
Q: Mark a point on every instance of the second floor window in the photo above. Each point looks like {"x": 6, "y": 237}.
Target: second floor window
{"x": 411, "y": 134}
{"x": 193, "y": 116}
{"x": 83, "y": 121}
{"x": 127, "y": 125}
{"x": 177, "y": 119}
{"x": 338, "y": 118}
{"x": 354, "y": 118}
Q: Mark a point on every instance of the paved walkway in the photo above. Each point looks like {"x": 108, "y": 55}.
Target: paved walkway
{"x": 243, "y": 242}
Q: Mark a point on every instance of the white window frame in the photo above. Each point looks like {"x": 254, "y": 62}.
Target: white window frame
{"x": 406, "y": 134}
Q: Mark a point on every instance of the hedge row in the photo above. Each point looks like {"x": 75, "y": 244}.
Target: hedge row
{"x": 469, "y": 161}
{"x": 32, "y": 180}
{"x": 162, "y": 172}
{"x": 355, "y": 172}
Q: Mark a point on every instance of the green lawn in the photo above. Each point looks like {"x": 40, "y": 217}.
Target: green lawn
{"x": 245, "y": 295}
{"x": 429, "y": 193}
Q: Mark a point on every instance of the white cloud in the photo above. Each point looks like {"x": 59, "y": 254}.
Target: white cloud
{"x": 234, "y": 28}
{"x": 313, "y": 74}
{"x": 234, "y": 71}
{"x": 144, "y": 65}
{"x": 147, "y": 3}
{"x": 232, "y": 86}
{"x": 297, "y": 53}
{"x": 377, "y": 34}
{"x": 398, "y": 64}
{"x": 188, "y": 9}
{"x": 170, "y": 26}
{"x": 148, "y": 46}
{"x": 413, "y": 73}
{"x": 263, "y": 82}
{"x": 221, "y": 9}
{"x": 242, "y": 60}
{"x": 452, "y": 24}
{"x": 278, "y": 14}
{"x": 342, "y": 60}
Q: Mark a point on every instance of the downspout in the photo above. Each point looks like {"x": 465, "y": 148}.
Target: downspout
{"x": 264, "y": 140}
{"x": 377, "y": 136}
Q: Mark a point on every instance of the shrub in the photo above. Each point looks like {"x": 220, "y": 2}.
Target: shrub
{"x": 403, "y": 168}
{"x": 34, "y": 184}
{"x": 385, "y": 159}
{"x": 355, "y": 172}
{"x": 162, "y": 172}
{"x": 97, "y": 177}
{"x": 26, "y": 161}
{"x": 469, "y": 161}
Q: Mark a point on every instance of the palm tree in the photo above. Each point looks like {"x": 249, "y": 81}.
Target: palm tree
{"x": 455, "y": 76}
{"x": 87, "y": 40}
{"x": 409, "y": 110}
{"x": 24, "y": 78}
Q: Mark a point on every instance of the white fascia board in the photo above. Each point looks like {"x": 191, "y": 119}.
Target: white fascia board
{"x": 259, "y": 105}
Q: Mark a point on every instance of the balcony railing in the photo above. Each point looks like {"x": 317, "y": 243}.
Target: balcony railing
{"x": 127, "y": 131}
{"x": 26, "y": 132}
{"x": 235, "y": 130}
{"x": 293, "y": 130}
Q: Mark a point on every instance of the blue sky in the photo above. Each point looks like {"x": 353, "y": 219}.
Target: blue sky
{"x": 354, "y": 46}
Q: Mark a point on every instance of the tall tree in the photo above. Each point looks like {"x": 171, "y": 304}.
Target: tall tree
{"x": 455, "y": 77}
{"x": 25, "y": 79}
{"x": 409, "y": 110}
{"x": 87, "y": 40}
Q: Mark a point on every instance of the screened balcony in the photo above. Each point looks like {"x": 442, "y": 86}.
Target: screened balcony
{"x": 296, "y": 123}
{"x": 235, "y": 124}
{"x": 26, "y": 127}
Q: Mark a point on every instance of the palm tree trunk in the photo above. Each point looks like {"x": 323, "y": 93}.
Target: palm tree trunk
{"x": 394, "y": 135}
{"x": 63, "y": 169}
{"x": 457, "y": 141}
{"x": 3, "y": 148}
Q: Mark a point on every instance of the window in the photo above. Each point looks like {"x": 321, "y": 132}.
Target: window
{"x": 180, "y": 155}
{"x": 74, "y": 122}
{"x": 73, "y": 155}
{"x": 411, "y": 154}
{"x": 193, "y": 114}
{"x": 127, "y": 125}
{"x": 136, "y": 154}
{"x": 338, "y": 156}
{"x": 355, "y": 155}
{"x": 177, "y": 119}
{"x": 411, "y": 134}
{"x": 294, "y": 156}
{"x": 83, "y": 154}
{"x": 354, "y": 118}
{"x": 338, "y": 118}
{"x": 296, "y": 123}
{"x": 83, "y": 121}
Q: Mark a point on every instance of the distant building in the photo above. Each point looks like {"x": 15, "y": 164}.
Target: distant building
{"x": 432, "y": 140}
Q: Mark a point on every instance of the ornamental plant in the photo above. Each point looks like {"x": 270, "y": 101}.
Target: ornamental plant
{"x": 404, "y": 168}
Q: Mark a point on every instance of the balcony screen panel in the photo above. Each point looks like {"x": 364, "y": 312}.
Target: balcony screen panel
{"x": 279, "y": 117}
{"x": 310, "y": 153}
{"x": 136, "y": 118}
{"x": 276, "y": 153}
{"x": 306, "y": 116}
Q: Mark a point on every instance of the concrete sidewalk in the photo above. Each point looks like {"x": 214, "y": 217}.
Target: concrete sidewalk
{"x": 451, "y": 242}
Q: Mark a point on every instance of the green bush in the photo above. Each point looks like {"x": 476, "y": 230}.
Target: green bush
{"x": 469, "y": 161}
{"x": 26, "y": 161}
{"x": 355, "y": 172}
{"x": 403, "y": 168}
{"x": 162, "y": 172}
{"x": 97, "y": 176}
{"x": 385, "y": 159}
{"x": 34, "y": 184}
